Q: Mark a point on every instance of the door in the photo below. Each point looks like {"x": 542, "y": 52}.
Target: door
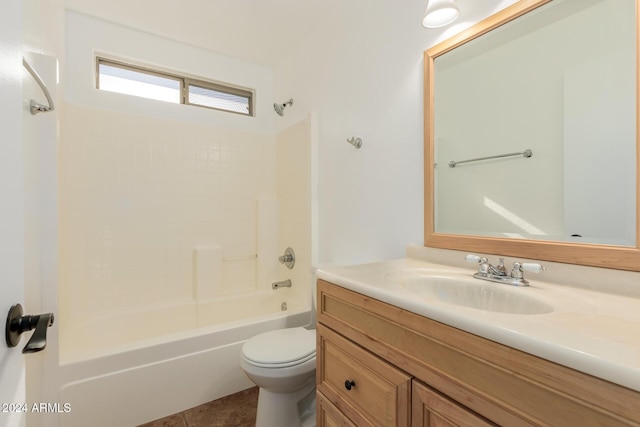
{"x": 12, "y": 364}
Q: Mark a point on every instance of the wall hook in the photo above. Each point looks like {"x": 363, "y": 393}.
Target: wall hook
{"x": 356, "y": 142}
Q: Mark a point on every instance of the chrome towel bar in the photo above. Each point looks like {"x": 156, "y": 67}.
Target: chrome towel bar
{"x": 35, "y": 106}
{"x": 526, "y": 153}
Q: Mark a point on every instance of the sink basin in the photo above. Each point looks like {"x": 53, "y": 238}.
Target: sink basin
{"x": 468, "y": 292}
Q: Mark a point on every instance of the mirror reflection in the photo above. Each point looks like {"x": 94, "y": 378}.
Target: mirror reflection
{"x": 559, "y": 81}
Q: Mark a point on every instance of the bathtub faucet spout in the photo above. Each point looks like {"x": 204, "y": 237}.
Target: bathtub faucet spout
{"x": 283, "y": 284}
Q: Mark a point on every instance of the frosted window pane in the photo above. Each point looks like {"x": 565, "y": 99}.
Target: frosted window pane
{"x": 123, "y": 80}
{"x": 220, "y": 100}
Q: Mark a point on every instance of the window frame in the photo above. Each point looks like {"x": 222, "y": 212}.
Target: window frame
{"x": 184, "y": 83}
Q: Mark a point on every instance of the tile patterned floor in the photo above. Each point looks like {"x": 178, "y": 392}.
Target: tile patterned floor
{"x": 236, "y": 410}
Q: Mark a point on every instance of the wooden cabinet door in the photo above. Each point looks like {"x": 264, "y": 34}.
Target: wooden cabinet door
{"x": 364, "y": 387}
{"x": 432, "y": 409}
{"x": 330, "y": 416}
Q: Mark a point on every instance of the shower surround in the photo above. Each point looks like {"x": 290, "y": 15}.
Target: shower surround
{"x": 143, "y": 199}
{"x": 141, "y": 195}
{"x": 174, "y": 217}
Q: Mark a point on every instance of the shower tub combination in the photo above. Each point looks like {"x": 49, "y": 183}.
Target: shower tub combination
{"x": 135, "y": 367}
{"x": 126, "y": 368}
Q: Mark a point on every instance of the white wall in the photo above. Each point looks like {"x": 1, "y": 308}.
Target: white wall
{"x": 362, "y": 74}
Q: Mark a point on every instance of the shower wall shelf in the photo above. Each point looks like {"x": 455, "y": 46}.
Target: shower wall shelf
{"x": 36, "y": 107}
{"x": 526, "y": 153}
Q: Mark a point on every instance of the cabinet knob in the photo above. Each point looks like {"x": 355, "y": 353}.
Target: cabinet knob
{"x": 348, "y": 384}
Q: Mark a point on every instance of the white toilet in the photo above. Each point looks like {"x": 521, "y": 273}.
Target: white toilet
{"x": 283, "y": 364}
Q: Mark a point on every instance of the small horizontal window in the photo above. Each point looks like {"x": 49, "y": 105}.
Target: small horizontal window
{"x": 138, "y": 81}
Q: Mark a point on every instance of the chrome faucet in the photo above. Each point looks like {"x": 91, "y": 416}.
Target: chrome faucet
{"x": 486, "y": 269}
{"x": 498, "y": 274}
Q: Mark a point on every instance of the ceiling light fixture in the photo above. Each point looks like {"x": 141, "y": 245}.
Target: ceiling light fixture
{"x": 440, "y": 13}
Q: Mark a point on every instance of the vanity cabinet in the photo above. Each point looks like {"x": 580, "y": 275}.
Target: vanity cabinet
{"x": 380, "y": 365}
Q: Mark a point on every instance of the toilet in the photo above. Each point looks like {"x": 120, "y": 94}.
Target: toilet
{"x": 282, "y": 363}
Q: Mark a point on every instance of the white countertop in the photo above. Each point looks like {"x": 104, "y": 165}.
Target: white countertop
{"x": 594, "y": 332}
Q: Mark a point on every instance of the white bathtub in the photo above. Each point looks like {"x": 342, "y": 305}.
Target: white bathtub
{"x": 130, "y": 368}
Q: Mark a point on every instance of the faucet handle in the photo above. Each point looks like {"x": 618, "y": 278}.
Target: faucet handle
{"x": 483, "y": 264}
{"x": 518, "y": 268}
{"x": 532, "y": 267}
{"x": 473, "y": 258}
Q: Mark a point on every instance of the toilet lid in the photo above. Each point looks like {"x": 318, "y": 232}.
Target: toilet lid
{"x": 281, "y": 347}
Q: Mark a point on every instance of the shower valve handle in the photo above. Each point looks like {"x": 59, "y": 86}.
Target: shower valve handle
{"x": 288, "y": 259}
{"x": 285, "y": 258}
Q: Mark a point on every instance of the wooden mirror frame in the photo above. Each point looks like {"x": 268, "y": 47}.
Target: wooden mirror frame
{"x": 608, "y": 256}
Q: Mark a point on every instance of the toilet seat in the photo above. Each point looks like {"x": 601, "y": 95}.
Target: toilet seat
{"x": 280, "y": 348}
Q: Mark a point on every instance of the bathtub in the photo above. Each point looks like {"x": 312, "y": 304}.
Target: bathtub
{"x": 129, "y": 368}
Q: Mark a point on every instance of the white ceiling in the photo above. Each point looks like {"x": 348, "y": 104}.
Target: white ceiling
{"x": 263, "y": 31}
{"x": 260, "y": 31}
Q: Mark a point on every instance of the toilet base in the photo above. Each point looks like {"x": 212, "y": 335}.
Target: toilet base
{"x": 295, "y": 409}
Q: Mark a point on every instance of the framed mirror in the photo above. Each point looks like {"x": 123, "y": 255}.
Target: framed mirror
{"x": 531, "y": 135}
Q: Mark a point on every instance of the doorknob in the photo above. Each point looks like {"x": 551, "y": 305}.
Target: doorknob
{"x": 18, "y": 322}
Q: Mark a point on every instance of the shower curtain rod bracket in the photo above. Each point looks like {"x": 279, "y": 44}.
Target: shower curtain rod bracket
{"x": 36, "y": 107}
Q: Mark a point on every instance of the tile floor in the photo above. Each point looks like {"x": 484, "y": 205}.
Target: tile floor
{"x": 236, "y": 410}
